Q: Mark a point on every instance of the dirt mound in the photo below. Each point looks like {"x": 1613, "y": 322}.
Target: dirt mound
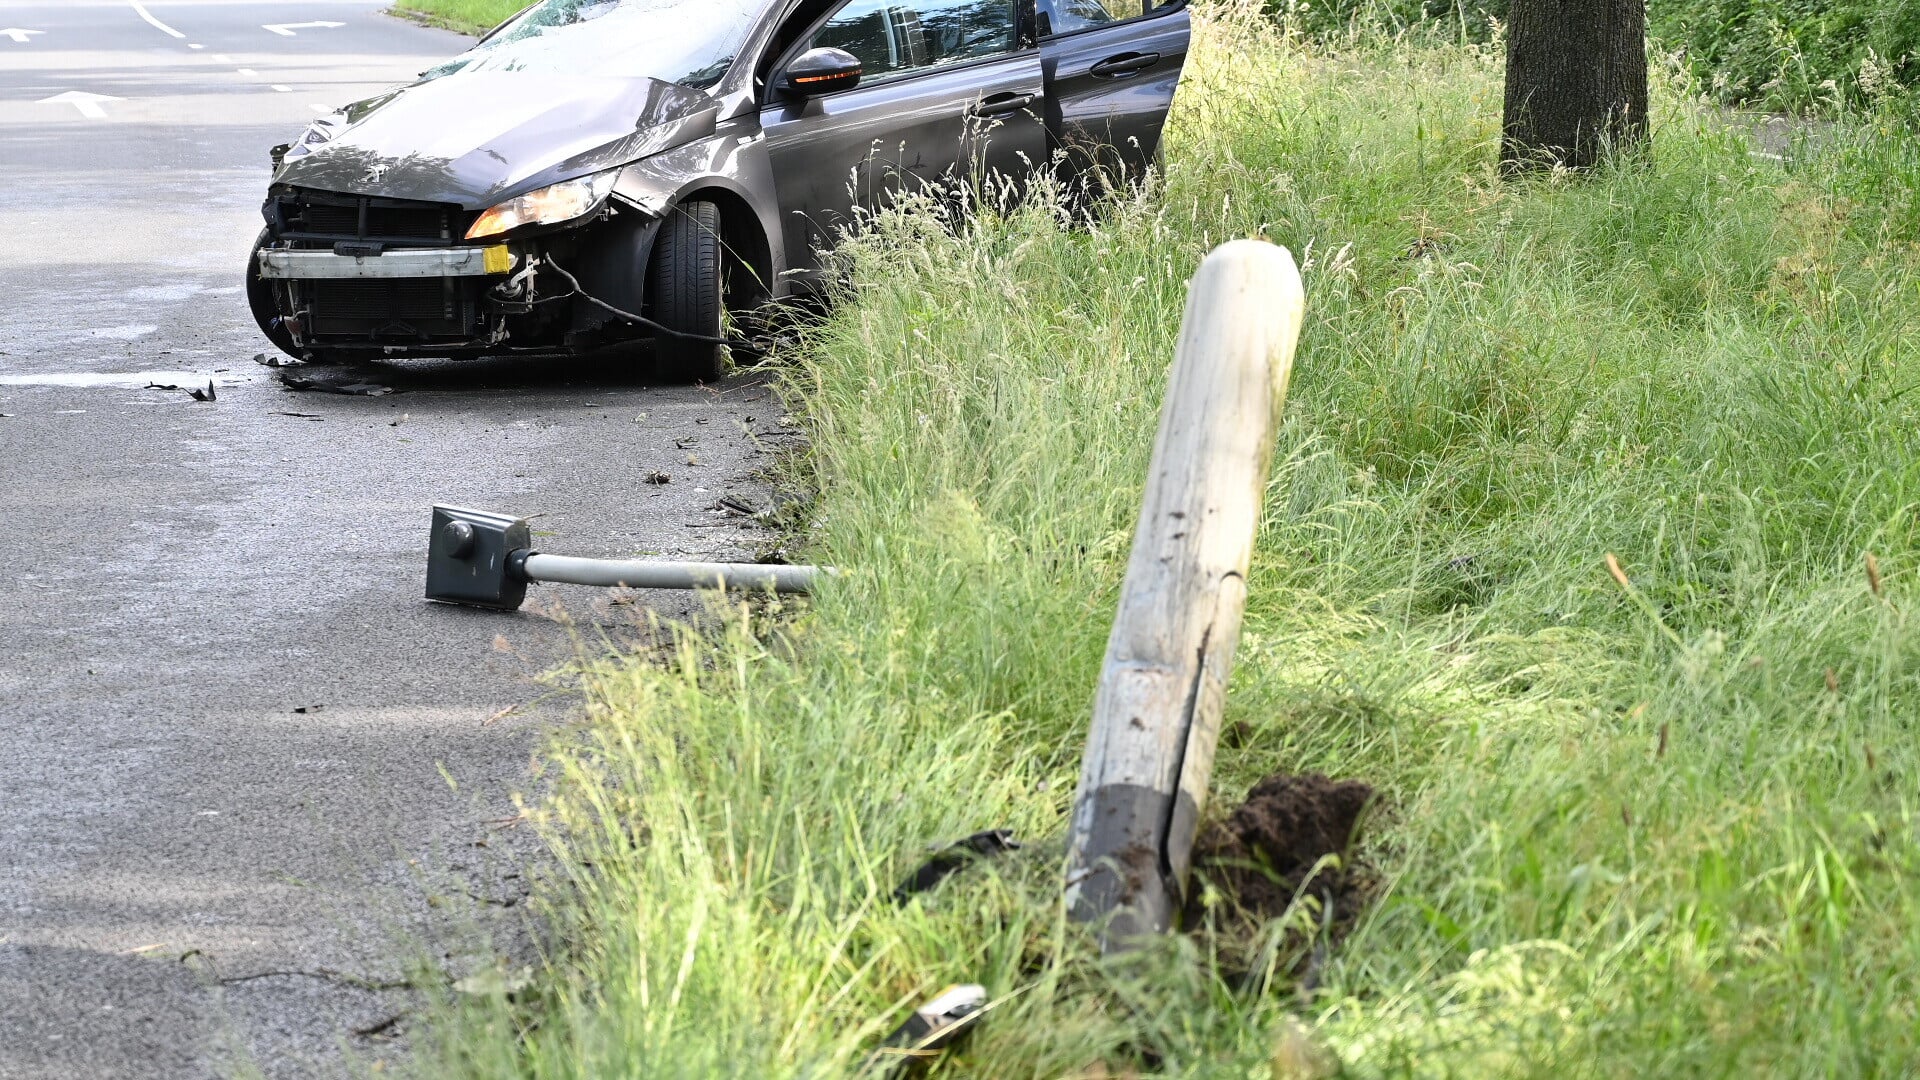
{"x": 1264, "y": 854}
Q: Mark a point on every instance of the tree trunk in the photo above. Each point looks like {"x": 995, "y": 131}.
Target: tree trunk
{"x": 1576, "y": 82}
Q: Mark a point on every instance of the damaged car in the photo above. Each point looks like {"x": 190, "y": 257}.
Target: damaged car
{"x": 600, "y": 172}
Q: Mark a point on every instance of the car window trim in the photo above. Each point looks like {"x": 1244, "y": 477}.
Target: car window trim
{"x": 1160, "y": 12}
{"x": 1022, "y": 29}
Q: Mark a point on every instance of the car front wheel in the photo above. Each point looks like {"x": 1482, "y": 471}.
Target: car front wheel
{"x": 684, "y": 283}
{"x": 266, "y": 312}
{"x": 260, "y": 298}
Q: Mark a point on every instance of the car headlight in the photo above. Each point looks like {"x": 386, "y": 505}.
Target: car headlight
{"x": 550, "y": 205}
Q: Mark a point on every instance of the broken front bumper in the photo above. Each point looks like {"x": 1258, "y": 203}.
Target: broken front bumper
{"x": 492, "y": 260}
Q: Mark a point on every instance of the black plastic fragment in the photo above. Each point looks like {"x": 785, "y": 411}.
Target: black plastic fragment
{"x": 954, "y": 858}
{"x": 197, "y": 395}
{"x": 351, "y": 388}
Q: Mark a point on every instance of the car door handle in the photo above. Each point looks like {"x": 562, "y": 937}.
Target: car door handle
{"x": 1001, "y": 104}
{"x": 1125, "y": 65}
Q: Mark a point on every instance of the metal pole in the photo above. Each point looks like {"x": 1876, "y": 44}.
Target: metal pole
{"x": 609, "y": 573}
{"x": 483, "y": 559}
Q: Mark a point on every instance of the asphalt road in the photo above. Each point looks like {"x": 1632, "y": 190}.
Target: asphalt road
{"x": 246, "y": 774}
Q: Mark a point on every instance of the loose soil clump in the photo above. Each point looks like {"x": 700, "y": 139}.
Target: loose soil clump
{"x": 1265, "y": 854}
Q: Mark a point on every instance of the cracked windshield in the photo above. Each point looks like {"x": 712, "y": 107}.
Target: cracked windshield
{"x": 690, "y": 42}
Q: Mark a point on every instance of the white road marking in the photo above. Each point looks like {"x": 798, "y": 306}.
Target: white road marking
{"x": 196, "y": 46}
{"x": 88, "y": 104}
{"x": 248, "y": 72}
{"x": 222, "y": 58}
{"x": 287, "y": 29}
{"x": 18, "y": 35}
{"x": 283, "y": 89}
{"x": 130, "y": 380}
{"x": 153, "y": 22}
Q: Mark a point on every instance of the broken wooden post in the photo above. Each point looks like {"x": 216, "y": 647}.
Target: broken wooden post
{"x": 1156, "y": 715}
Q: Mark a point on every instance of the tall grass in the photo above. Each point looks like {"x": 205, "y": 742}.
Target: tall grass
{"x": 1794, "y": 53}
{"x": 1658, "y": 828}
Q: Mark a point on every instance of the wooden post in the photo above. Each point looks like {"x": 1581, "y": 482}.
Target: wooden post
{"x": 1156, "y": 715}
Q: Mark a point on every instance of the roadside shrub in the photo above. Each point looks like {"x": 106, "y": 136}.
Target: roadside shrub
{"x": 1775, "y": 54}
{"x": 1791, "y": 54}
{"x": 1456, "y": 20}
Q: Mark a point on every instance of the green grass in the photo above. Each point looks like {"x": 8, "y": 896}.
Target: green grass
{"x": 1661, "y": 833}
{"x": 1795, "y": 54}
{"x": 466, "y": 16}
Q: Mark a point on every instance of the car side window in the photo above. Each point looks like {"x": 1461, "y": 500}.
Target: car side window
{"x": 1066, "y": 16}
{"x": 893, "y": 37}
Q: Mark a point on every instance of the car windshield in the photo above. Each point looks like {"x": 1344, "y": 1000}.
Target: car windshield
{"x": 690, "y": 42}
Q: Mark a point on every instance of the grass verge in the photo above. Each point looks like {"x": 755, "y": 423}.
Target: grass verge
{"x": 466, "y": 16}
{"x": 1660, "y": 827}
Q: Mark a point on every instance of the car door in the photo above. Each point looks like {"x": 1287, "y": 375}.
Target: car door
{"x": 1112, "y": 67}
{"x": 951, "y": 93}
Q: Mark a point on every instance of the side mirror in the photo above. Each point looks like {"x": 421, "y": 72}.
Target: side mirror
{"x": 822, "y": 71}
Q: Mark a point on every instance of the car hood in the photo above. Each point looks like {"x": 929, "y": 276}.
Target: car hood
{"x": 479, "y": 138}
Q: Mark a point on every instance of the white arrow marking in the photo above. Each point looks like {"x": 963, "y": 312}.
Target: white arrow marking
{"x": 153, "y": 22}
{"x": 18, "y": 34}
{"x": 88, "y": 104}
{"x": 286, "y": 29}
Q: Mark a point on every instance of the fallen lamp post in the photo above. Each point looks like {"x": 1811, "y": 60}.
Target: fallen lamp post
{"x": 481, "y": 559}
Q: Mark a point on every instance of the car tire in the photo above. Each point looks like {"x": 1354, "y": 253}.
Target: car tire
{"x": 687, "y": 292}
{"x": 266, "y": 312}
